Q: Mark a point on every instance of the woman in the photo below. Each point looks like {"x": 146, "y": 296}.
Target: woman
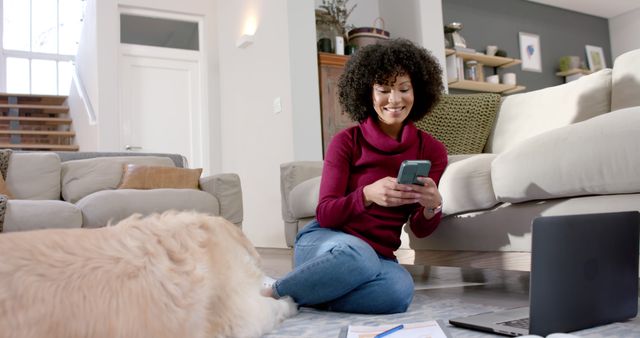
{"x": 344, "y": 259}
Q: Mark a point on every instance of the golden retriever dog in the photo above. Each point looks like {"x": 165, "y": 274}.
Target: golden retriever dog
{"x": 178, "y": 275}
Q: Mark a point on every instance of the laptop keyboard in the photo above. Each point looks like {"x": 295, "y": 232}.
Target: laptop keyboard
{"x": 522, "y": 323}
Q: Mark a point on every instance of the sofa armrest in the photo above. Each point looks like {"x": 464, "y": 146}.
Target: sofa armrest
{"x": 291, "y": 175}
{"x": 227, "y": 189}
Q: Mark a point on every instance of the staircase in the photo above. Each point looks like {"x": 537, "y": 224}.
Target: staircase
{"x": 35, "y": 122}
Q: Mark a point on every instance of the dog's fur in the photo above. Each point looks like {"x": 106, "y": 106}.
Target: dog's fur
{"x": 178, "y": 275}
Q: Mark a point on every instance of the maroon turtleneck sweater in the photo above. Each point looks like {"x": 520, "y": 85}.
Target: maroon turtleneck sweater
{"x": 361, "y": 155}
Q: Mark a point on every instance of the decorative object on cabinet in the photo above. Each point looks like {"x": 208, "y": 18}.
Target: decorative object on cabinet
{"x": 573, "y": 74}
{"x": 530, "y": 52}
{"x": 568, "y": 62}
{"x": 330, "y": 68}
{"x": 595, "y": 57}
{"x": 336, "y": 13}
{"x": 455, "y": 72}
{"x": 363, "y": 36}
{"x": 452, "y": 37}
{"x": 571, "y": 68}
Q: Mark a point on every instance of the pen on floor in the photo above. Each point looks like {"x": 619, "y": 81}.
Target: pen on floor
{"x": 390, "y": 331}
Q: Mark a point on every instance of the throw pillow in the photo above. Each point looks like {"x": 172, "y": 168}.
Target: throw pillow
{"x": 3, "y": 188}
{"x": 156, "y": 177}
{"x": 462, "y": 122}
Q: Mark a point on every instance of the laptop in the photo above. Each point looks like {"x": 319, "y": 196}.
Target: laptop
{"x": 584, "y": 273}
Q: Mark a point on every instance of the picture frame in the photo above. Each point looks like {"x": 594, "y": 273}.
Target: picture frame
{"x": 530, "y": 53}
{"x": 595, "y": 58}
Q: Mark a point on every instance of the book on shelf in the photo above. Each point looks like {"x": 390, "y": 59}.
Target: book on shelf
{"x": 432, "y": 328}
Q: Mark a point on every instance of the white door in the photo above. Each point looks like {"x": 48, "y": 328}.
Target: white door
{"x": 162, "y": 102}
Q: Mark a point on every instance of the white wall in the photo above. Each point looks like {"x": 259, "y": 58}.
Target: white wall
{"x": 419, "y": 21}
{"x": 623, "y": 32}
{"x": 303, "y": 69}
{"x": 255, "y": 139}
{"x": 87, "y": 69}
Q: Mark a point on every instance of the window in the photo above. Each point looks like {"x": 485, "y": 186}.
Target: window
{"x": 158, "y": 32}
{"x": 39, "y": 42}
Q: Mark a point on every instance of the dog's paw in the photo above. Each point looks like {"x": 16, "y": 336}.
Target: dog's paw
{"x": 291, "y": 308}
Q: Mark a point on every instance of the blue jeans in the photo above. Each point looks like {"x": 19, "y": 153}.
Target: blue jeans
{"x": 340, "y": 272}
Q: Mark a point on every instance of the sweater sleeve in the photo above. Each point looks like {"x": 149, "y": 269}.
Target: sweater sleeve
{"x": 335, "y": 206}
{"x": 437, "y": 154}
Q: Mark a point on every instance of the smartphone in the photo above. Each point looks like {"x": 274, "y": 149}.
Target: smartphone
{"x": 410, "y": 170}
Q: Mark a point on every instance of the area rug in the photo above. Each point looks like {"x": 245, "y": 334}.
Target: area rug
{"x": 320, "y": 324}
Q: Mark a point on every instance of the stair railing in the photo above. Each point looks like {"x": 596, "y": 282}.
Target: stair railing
{"x": 77, "y": 80}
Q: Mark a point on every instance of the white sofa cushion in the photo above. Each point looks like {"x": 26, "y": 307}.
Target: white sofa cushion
{"x": 102, "y": 207}
{"x": 34, "y": 176}
{"x": 23, "y": 215}
{"x": 625, "y": 81}
{"x": 83, "y": 177}
{"x": 466, "y": 184}
{"x": 525, "y": 115}
{"x": 303, "y": 198}
{"x": 597, "y": 156}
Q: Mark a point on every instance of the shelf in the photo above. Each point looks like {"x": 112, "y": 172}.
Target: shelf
{"x": 486, "y": 60}
{"x": 486, "y": 87}
{"x": 574, "y": 71}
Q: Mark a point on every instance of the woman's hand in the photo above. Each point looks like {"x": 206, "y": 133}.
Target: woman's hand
{"x": 387, "y": 192}
{"x": 430, "y": 197}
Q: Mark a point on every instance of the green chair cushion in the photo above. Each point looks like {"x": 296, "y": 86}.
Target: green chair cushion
{"x": 462, "y": 122}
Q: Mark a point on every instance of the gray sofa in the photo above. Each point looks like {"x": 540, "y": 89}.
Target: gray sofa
{"x": 569, "y": 149}
{"x": 79, "y": 189}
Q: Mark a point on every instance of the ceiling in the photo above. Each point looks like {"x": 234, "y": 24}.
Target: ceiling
{"x": 602, "y": 8}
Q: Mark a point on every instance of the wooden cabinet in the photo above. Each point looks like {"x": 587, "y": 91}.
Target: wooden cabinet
{"x": 483, "y": 60}
{"x": 330, "y": 68}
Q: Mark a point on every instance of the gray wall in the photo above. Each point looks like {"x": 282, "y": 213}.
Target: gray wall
{"x": 497, "y": 22}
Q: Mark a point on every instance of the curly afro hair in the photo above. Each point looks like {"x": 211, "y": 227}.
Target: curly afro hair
{"x": 381, "y": 64}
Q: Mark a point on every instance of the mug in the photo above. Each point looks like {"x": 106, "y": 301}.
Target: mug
{"x": 493, "y": 79}
{"x": 509, "y": 78}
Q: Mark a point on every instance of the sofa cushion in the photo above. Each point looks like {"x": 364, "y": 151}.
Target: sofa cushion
{"x": 466, "y": 184}
{"x": 102, "y": 207}
{"x": 525, "y": 115}
{"x": 83, "y": 177}
{"x": 152, "y": 177}
{"x": 303, "y": 198}
{"x": 625, "y": 81}
{"x": 597, "y": 156}
{"x": 22, "y": 215}
{"x": 34, "y": 176}
{"x": 462, "y": 122}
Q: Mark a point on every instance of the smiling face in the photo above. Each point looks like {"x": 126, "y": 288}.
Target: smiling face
{"x": 393, "y": 102}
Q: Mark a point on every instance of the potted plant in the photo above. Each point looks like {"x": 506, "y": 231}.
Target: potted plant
{"x": 331, "y": 18}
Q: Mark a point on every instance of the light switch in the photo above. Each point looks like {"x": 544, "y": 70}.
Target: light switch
{"x": 277, "y": 105}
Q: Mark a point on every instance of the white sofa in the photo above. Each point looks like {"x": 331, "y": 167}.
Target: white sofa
{"x": 80, "y": 189}
{"x": 568, "y": 149}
